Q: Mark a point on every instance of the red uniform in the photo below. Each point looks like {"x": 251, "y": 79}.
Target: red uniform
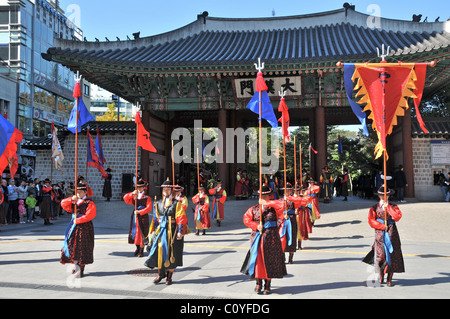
{"x": 218, "y": 209}
{"x": 201, "y": 213}
{"x": 140, "y": 223}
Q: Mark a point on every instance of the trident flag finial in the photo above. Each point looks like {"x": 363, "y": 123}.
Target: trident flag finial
{"x": 259, "y": 66}
{"x": 77, "y": 77}
{"x": 383, "y": 54}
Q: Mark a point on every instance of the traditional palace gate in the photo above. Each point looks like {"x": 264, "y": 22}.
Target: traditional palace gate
{"x": 205, "y": 70}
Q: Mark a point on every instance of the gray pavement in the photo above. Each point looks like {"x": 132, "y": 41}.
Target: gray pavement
{"x": 328, "y": 267}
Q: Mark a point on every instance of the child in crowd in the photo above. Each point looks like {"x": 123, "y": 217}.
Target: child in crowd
{"x": 31, "y": 204}
{"x": 22, "y": 211}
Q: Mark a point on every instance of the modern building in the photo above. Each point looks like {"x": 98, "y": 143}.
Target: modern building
{"x": 205, "y": 71}
{"x": 43, "y": 89}
{"x": 100, "y": 99}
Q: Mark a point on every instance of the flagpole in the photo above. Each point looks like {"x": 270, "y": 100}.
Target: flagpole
{"x": 281, "y": 94}
{"x": 301, "y": 169}
{"x": 136, "y": 170}
{"x": 260, "y": 67}
{"x": 173, "y": 166}
{"x": 295, "y": 166}
{"x": 77, "y": 79}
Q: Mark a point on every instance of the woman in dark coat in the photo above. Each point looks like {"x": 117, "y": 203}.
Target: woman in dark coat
{"x": 388, "y": 251}
{"x": 46, "y": 202}
{"x": 107, "y": 191}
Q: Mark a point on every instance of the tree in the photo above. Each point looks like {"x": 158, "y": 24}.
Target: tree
{"x": 111, "y": 114}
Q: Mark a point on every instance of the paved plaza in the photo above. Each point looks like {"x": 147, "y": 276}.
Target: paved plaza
{"x": 328, "y": 267}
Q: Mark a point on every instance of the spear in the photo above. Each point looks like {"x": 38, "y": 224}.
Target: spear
{"x": 260, "y": 67}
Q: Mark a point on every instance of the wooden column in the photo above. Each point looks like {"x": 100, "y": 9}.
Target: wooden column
{"x": 320, "y": 132}
{"x": 224, "y": 167}
{"x": 408, "y": 153}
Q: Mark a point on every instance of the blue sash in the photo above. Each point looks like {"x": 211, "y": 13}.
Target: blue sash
{"x": 287, "y": 229}
{"x": 163, "y": 235}
{"x": 68, "y": 233}
{"x": 255, "y": 245}
{"x": 199, "y": 214}
{"x": 388, "y": 248}
{"x": 215, "y": 204}
{"x": 133, "y": 228}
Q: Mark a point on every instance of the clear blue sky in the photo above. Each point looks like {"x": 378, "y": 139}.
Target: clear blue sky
{"x": 111, "y": 18}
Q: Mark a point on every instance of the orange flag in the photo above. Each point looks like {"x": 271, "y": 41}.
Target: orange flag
{"x": 143, "y": 139}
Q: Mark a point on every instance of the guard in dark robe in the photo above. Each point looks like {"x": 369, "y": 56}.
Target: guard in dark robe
{"x": 386, "y": 254}
{"x": 265, "y": 259}
{"x": 167, "y": 244}
{"x": 78, "y": 246}
{"x": 46, "y": 202}
{"x": 344, "y": 183}
{"x": 107, "y": 191}
{"x": 140, "y": 221}
{"x": 327, "y": 184}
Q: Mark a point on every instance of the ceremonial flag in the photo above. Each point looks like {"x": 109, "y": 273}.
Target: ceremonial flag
{"x": 340, "y": 148}
{"x": 83, "y": 114}
{"x": 143, "y": 138}
{"x": 311, "y": 149}
{"x": 92, "y": 156}
{"x": 284, "y": 119}
{"x": 57, "y": 154}
{"x": 99, "y": 148}
{"x": 9, "y": 137}
{"x": 266, "y": 107}
{"x": 384, "y": 88}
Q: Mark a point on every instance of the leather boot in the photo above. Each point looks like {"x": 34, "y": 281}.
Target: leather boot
{"x": 258, "y": 287}
{"x": 169, "y": 278}
{"x": 291, "y": 258}
{"x": 267, "y": 286}
{"x": 160, "y": 276}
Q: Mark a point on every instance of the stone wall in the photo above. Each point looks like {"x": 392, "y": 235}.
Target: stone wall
{"x": 119, "y": 151}
{"x": 423, "y": 171}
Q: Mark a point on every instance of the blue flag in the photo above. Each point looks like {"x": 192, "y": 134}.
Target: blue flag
{"x": 83, "y": 116}
{"x": 349, "y": 69}
{"x": 340, "y": 148}
{"x": 267, "y": 112}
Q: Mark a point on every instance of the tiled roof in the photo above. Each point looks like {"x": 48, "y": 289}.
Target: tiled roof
{"x": 439, "y": 128}
{"x": 334, "y": 35}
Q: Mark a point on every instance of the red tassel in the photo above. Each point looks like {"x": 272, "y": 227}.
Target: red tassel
{"x": 77, "y": 90}
{"x": 260, "y": 84}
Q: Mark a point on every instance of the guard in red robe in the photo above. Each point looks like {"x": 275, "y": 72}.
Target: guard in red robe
{"x": 265, "y": 259}
{"x": 313, "y": 191}
{"x": 387, "y": 248}
{"x": 201, "y": 211}
{"x": 140, "y": 221}
{"x": 344, "y": 183}
{"x": 289, "y": 230}
{"x": 78, "y": 246}
{"x": 219, "y": 197}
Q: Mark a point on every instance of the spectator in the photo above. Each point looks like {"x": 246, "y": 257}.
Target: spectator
{"x": 13, "y": 195}
{"x": 445, "y": 186}
{"x": 400, "y": 184}
{"x": 4, "y": 205}
{"x": 23, "y": 191}
{"x": 31, "y": 204}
